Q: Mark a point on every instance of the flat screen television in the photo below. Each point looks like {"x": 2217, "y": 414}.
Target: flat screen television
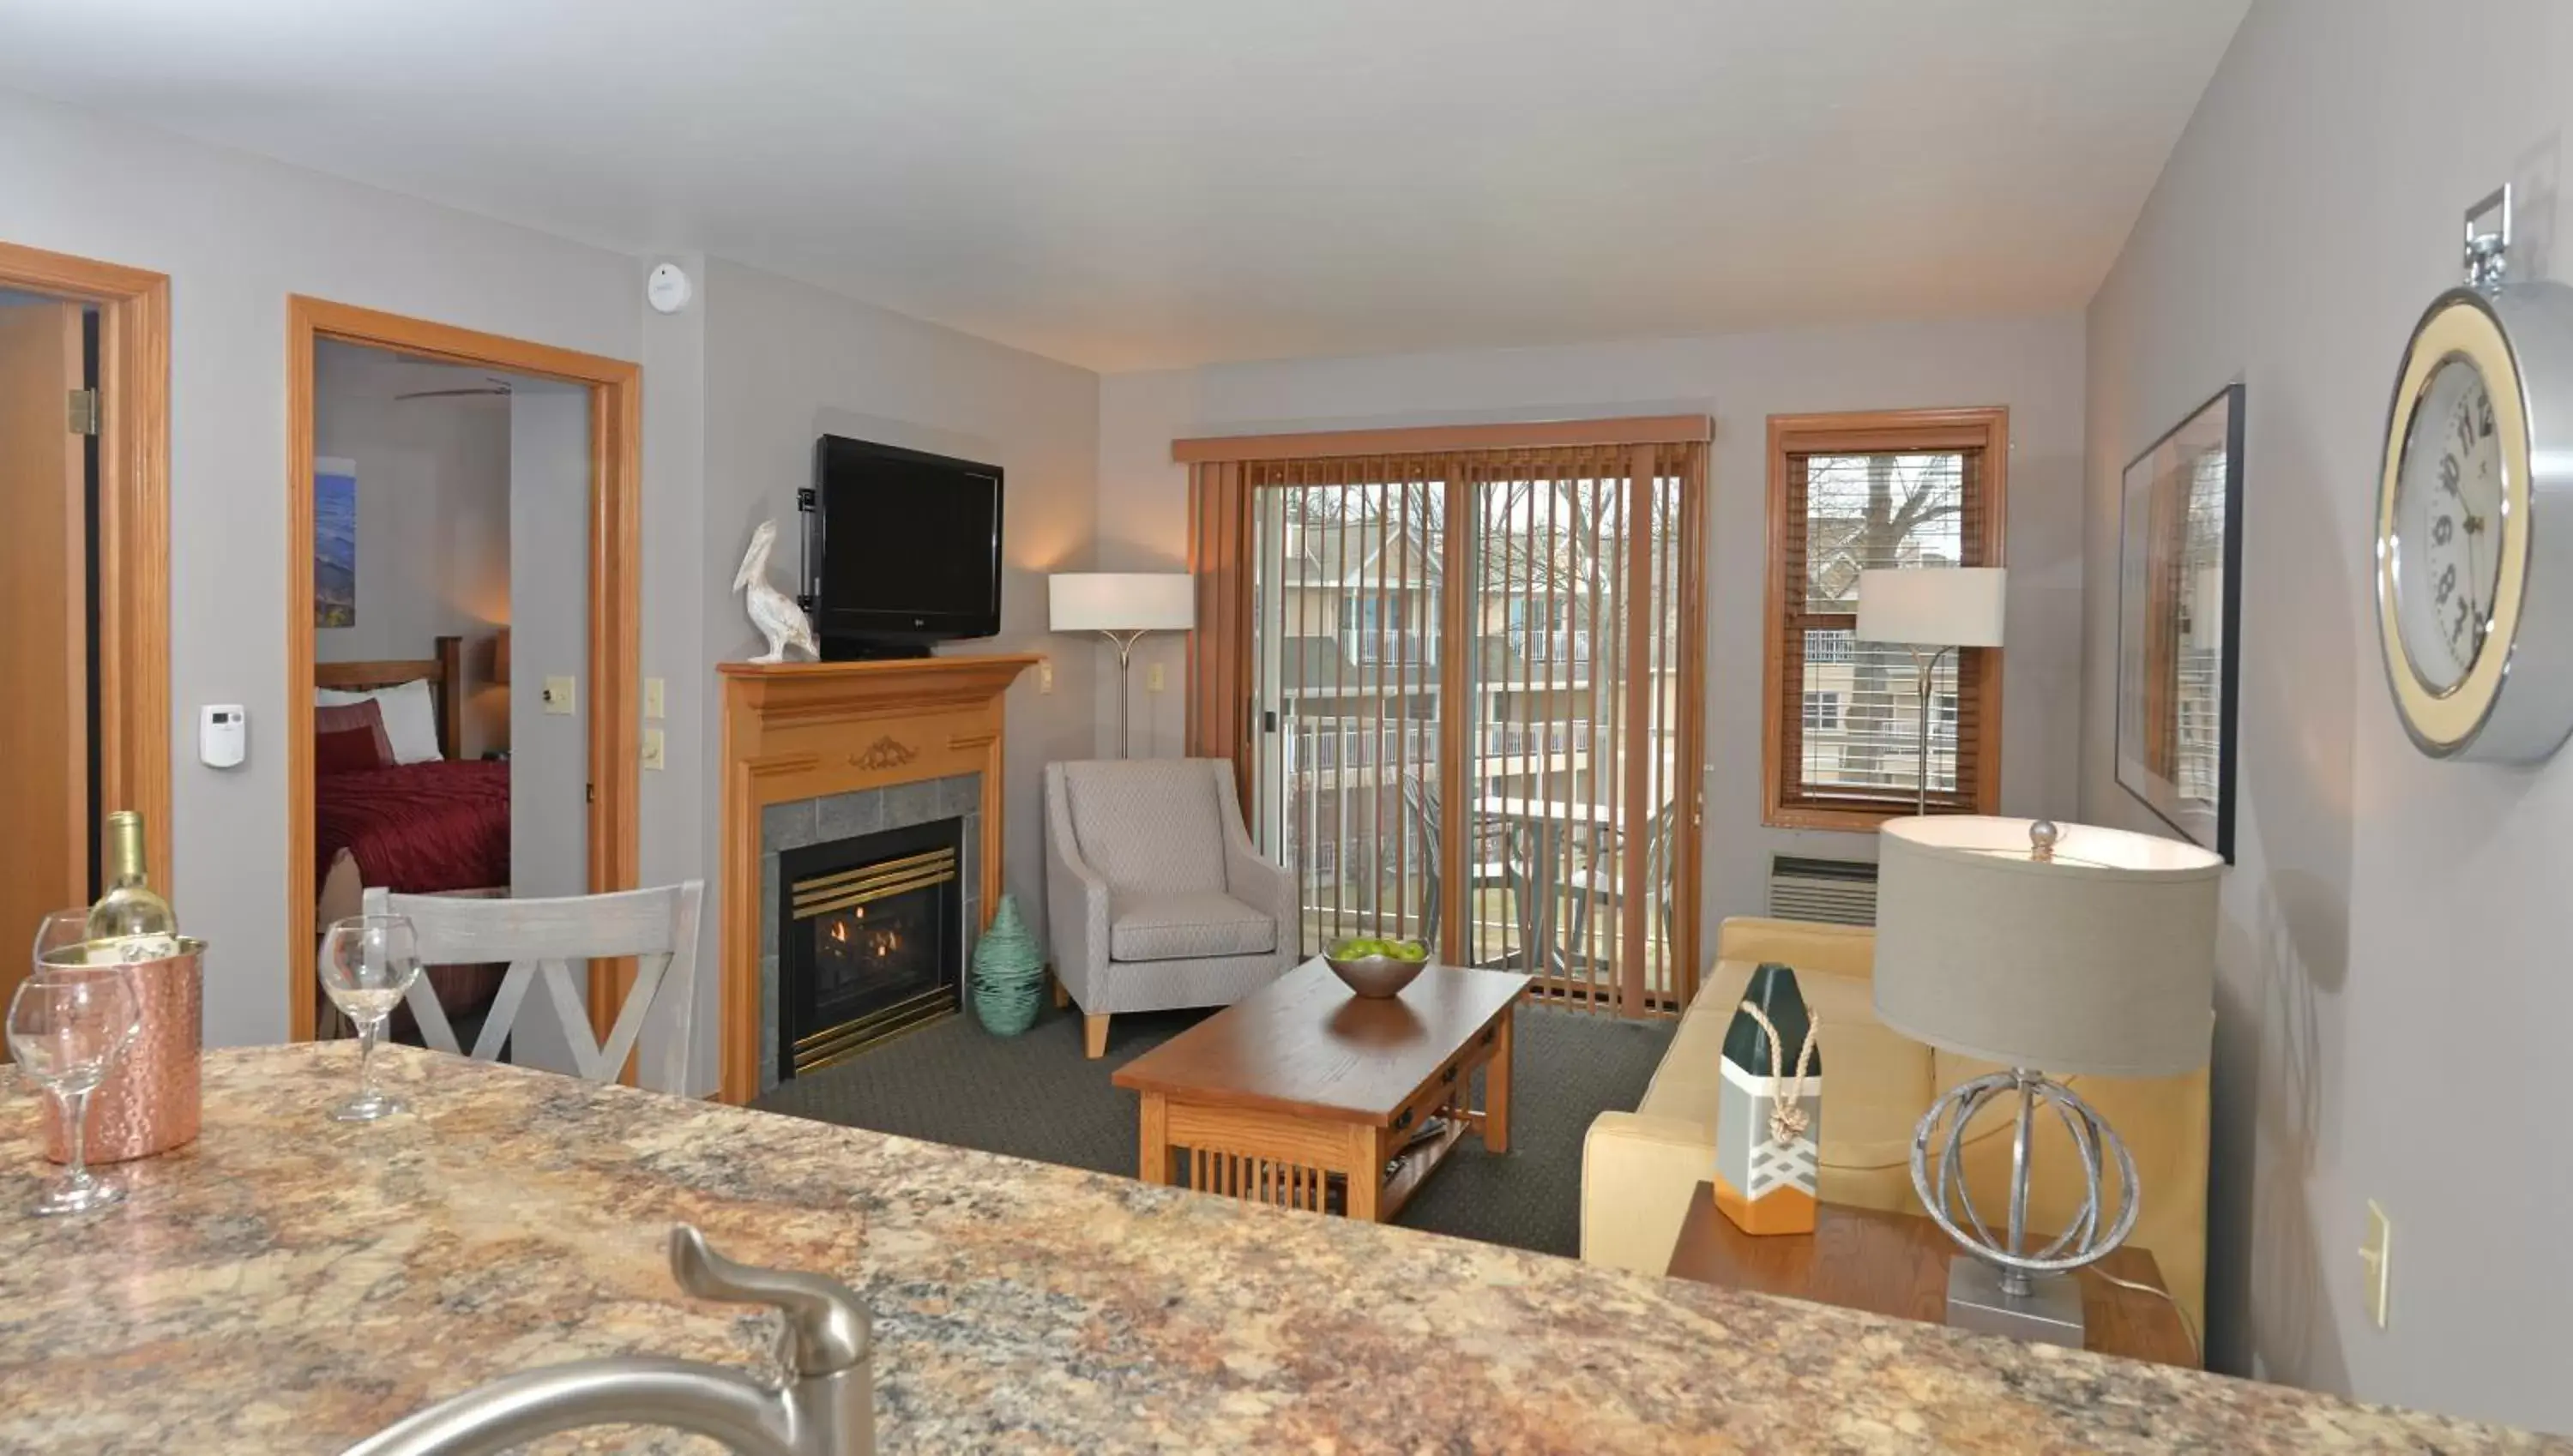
{"x": 902, "y": 549}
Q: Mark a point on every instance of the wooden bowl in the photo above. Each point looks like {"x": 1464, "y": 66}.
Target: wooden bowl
{"x": 1379, "y": 978}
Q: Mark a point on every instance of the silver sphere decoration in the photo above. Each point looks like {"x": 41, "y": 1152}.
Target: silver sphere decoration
{"x": 2092, "y": 1234}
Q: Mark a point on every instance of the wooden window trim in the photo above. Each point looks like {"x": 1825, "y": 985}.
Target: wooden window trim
{"x": 1986, "y": 430}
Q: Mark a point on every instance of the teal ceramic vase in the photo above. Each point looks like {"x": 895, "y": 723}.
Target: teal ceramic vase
{"x": 1009, "y": 973}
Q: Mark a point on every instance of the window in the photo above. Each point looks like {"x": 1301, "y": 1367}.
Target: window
{"x": 1909, "y": 489}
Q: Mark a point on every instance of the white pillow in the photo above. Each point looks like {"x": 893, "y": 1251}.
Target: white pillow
{"x": 411, "y": 717}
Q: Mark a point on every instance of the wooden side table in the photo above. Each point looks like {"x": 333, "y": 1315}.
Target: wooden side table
{"x": 1896, "y": 1265}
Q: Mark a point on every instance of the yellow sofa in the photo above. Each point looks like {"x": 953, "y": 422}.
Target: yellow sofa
{"x": 1638, "y": 1168}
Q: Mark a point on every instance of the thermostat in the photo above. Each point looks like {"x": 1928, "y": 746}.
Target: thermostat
{"x": 223, "y": 735}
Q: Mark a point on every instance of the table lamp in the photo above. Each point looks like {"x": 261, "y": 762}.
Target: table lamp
{"x": 2051, "y": 950}
{"x": 1938, "y": 609}
{"x": 1122, "y": 606}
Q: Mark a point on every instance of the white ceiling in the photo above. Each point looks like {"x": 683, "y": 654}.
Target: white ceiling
{"x": 1136, "y": 183}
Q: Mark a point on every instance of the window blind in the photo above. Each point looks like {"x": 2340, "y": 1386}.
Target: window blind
{"x": 1851, "y": 493}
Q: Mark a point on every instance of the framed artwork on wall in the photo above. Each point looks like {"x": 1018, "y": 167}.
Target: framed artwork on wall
{"x": 335, "y": 543}
{"x": 2179, "y": 597}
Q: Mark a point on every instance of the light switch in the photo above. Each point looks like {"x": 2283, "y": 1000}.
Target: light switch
{"x": 1045, "y": 675}
{"x": 653, "y": 699}
{"x": 558, "y": 695}
{"x": 1153, "y": 678}
{"x": 652, "y": 748}
{"x": 2378, "y": 1255}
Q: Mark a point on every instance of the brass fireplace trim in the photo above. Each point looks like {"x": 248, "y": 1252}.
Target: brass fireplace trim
{"x": 848, "y": 1038}
{"x": 826, "y": 892}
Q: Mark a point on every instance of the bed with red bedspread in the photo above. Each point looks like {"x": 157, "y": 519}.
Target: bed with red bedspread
{"x": 418, "y": 828}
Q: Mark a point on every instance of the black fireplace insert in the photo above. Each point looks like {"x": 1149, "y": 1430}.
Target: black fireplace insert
{"x": 870, "y": 940}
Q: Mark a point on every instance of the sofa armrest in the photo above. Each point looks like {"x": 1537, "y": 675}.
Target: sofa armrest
{"x": 1637, "y": 1174}
{"x": 1075, "y": 898}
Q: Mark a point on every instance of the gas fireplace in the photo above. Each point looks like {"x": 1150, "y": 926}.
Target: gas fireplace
{"x": 870, "y": 940}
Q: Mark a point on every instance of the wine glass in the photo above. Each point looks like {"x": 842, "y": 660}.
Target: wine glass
{"x": 367, "y": 962}
{"x": 67, "y": 1026}
{"x": 58, "y": 931}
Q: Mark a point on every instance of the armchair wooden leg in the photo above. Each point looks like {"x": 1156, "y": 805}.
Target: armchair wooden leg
{"x": 1094, "y": 1035}
{"x": 1062, "y": 998}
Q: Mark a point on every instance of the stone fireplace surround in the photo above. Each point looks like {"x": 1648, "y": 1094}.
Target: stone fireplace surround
{"x": 803, "y": 823}
{"x": 806, "y": 740}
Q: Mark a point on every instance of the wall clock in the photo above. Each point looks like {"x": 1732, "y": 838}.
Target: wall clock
{"x": 2475, "y": 514}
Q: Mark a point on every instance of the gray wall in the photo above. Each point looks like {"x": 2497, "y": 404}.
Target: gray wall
{"x": 790, "y": 360}
{"x": 2034, "y": 366}
{"x": 2392, "y": 1001}
{"x": 549, "y": 580}
{"x": 784, "y": 363}
{"x": 433, "y": 516}
{"x": 236, "y": 235}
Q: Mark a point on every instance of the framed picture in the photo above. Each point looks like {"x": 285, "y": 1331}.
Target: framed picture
{"x": 2180, "y": 598}
{"x": 335, "y": 543}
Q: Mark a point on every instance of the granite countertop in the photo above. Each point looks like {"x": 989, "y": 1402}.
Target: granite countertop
{"x": 290, "y": 1284}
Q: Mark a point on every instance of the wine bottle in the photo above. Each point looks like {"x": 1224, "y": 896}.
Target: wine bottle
{"x": 137, "y": 924}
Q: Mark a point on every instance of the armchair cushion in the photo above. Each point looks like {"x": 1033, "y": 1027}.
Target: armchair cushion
{"x": 1153, "y": 825}
{"x": 1187, "y": 925}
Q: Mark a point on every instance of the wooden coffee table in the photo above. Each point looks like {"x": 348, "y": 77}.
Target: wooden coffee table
{"x": 1303, "y": 1092}
{"x": 1897, "y": 1263}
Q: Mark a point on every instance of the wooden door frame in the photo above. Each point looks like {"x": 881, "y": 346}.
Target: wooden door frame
{"x": 615, "y": 604}
{"x": 132, "y": 642}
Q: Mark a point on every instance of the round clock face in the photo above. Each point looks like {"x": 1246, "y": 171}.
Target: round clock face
{"x": 2449, "y": 503}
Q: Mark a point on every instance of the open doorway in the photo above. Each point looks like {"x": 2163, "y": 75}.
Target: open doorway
{"x": 84, "y": 575}
{"x": 462, "y": 618}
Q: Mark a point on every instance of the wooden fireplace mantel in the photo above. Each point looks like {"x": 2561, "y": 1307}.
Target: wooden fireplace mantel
{"x": 804, "y": 730}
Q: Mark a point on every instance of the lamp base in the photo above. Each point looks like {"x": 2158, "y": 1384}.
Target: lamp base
{"x": 2050, "y": 1313}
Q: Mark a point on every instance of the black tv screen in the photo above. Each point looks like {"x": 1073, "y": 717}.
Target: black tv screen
{"x": 905, "y": 546}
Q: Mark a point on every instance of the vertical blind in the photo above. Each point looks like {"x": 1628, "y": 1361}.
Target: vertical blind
{"x": 1459, "y": 687}
{"x": 1846, "y": 729}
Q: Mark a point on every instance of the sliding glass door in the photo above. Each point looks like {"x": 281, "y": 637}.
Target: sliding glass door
{"x": 1470, "y": 704}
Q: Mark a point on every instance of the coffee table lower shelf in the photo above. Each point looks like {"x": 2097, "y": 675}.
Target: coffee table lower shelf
{"x": 1296, "y": 1162}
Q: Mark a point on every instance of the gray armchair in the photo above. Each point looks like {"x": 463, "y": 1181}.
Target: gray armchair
{"x": 1156, "y": 898}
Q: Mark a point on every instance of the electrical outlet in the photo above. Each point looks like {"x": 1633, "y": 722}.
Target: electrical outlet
{"x": 558, "y": 694}
{"x": 2378, "y": 1255}
{"x": 1045, "y": 675}
{"x": 653, "y": 699}
{"x": 652, "y": 748}
{"x": 1153, "y": 678}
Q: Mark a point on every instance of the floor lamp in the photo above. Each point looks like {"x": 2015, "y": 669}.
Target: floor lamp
{"x": 1122, "y": 606}
{"x": 1933, "y": 612}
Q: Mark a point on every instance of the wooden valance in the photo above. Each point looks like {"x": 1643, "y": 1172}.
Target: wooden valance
{"x": 1441, "y": 439}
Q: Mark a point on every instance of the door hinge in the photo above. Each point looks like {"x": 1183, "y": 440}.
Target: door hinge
{"x": 589, "y": 793}
{"x": 83, "y": 413}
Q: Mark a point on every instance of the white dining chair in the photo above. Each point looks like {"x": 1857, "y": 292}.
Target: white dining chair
{"x": 539, "y": 939}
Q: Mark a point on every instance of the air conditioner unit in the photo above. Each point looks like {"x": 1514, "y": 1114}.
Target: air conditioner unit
{"x": 1841, "y": 892}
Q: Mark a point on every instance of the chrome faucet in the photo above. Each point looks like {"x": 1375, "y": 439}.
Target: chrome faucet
{"x": 826, "y": 1407}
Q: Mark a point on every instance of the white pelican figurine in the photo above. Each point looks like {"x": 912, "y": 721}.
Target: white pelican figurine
{"x": 773, "y": 612}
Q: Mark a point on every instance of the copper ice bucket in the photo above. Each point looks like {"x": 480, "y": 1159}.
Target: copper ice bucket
{"x": 149, "y": 1102}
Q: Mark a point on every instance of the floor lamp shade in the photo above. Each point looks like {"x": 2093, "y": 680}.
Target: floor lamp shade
{"x": 1121, "y": 601}
{"x": 2097, "y": 958}
{"x": 1943, "y": 606}
{"x": 1122, "y": 606}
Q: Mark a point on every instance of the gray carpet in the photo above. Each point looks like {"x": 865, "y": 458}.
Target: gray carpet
{"x": 1037, "y": 1097}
